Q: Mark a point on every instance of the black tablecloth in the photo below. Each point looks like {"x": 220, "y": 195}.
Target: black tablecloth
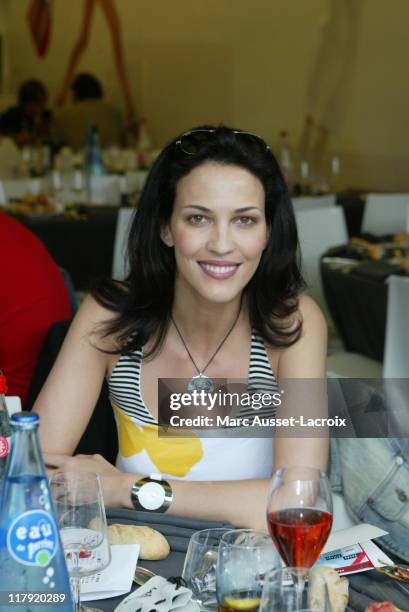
{"x": 358, "y": 308}
{"x": 363, "y": 588}
{"x": 177, "y": 531}
{"x": 84, "y": 247}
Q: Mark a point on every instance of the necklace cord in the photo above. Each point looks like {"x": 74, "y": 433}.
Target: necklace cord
{"x": 200, "y": 372}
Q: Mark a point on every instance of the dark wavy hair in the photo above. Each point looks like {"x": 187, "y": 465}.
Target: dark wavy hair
{"x": 142, "y": 304}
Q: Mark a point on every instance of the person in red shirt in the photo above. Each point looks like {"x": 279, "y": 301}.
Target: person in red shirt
{"x": 33, "y": 295}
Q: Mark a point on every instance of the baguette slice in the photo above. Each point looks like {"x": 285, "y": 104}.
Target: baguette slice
{"x": 154, "y": 545}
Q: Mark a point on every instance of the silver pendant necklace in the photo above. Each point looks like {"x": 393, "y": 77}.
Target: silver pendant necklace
{"x": 201, "y": 382}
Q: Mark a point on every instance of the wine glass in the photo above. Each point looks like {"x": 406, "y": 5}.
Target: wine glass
{"x": 81, "y": 516}
{"x": 199, "y": 570}
{"x": 246, "y": 556}
{"x": 279, "y": 592}
{"x": 299, "y": 516}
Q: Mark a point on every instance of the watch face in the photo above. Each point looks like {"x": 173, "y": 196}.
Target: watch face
{"x": 151, "y": 495}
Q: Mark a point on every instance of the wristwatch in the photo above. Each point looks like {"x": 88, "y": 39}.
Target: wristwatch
{"x": 152, "y": 494}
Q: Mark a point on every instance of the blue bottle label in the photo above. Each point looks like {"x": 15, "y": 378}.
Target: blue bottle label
{"x": 32, "y": 538}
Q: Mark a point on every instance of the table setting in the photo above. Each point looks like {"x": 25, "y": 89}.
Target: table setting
{"x": 354, "y": 278}
{"x": 129, "y": 561}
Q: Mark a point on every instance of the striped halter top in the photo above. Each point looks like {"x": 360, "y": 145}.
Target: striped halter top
{"x": 144, "y": 451}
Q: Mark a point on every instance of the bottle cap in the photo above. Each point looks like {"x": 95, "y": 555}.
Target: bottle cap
{"x": 25, "y": 417}
{"x": 3, "y": 384}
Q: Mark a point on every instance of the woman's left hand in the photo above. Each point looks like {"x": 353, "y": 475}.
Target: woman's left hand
{"x": 114, "y": 482}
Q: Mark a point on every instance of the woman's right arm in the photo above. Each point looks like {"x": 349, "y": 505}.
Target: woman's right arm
{"x": 68, "y": 397}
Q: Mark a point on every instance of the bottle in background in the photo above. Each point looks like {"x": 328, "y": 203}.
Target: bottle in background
{"x": 5, "y": 430}
{"x": 144, "y": 145}
{"x": 31, "y": 555}
{"x": 305, "y": 187}
{"x": 94, "y": 165}
{"x": 285, "y": 158}
{"x": 335, "y": 174}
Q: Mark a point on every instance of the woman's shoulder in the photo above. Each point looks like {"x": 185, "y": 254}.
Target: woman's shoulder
{"x": 305, "y": 358}
{"x": 310, "y": 313}
{"x": 94, "y": 319}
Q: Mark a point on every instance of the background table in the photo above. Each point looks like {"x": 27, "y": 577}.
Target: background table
{"x": 358, "y": 308}
{"x": 83, "y": 246}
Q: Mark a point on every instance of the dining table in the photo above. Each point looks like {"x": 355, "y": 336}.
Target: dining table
{"x": 355, "y": 284}
{"x": 80, "y": 240}
{"x": 177, "y": 530}
{"x": 364, "y": 587}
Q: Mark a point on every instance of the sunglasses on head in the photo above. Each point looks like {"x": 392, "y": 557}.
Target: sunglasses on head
{"x": 191, "y": 142}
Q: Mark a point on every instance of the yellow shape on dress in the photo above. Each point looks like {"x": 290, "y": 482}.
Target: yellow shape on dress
{"x": 175, "y": 455}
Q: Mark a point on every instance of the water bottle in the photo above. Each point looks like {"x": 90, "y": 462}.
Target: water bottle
{"x": 33, "y": 571}
{"x": 93, "y": 153}
{"x": 5, "y": 430}
{"x": 94, "y": 165}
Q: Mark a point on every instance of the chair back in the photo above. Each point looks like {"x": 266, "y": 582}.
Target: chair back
{"x": 100, "y": 435}
{"x": 13, "y": 404}
{"x": 318, "y": 229}
{"x": 396, "y": 354}
{"x": 386, "y": 213}
{"x": 106, "y": 190}
{"x": 120, "y": 266}
{"x": 306, "y": 203}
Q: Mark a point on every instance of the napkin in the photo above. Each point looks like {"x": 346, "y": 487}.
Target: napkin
{"x": 158, "y": 595}
{"x": 114, "y": 580}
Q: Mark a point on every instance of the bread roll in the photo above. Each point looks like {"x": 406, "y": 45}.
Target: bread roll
{"x": 154, "y": 545}
{"x": 337, "y": 589}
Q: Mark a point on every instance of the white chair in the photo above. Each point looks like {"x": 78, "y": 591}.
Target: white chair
{"x": 386, "y": 213}
{"x": 135, "y": 180}
{"x": 318, "y": 229}
{"x": 396, "y": 354}
{"x": 106, "y": 190}
{"x": 120, "y": 266}
{"x": 306, "y": 203}
{"x": 13, "y": 404}
{"x": 345, "y": 364}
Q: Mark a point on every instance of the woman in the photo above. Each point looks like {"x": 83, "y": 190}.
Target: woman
{"x": 212, "y": 292}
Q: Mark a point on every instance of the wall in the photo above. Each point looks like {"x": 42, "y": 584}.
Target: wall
{"x": 259, "y": 65}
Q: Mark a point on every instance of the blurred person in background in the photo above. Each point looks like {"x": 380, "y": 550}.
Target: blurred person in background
{"x": 87, "y": 108}
{"x": 10, "y": 158}
{"x": 33, "y": 297}
{"x": 113, "y": 21}
{"x": 29, "y": 122}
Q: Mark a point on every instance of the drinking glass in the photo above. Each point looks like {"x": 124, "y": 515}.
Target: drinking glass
{"x": 245, "y": 557}
{"x": 199, "y": 570}
{"x": 81, "y": 516}
{"x": 280, "y": 591}
{"x": 299, "y": 516}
